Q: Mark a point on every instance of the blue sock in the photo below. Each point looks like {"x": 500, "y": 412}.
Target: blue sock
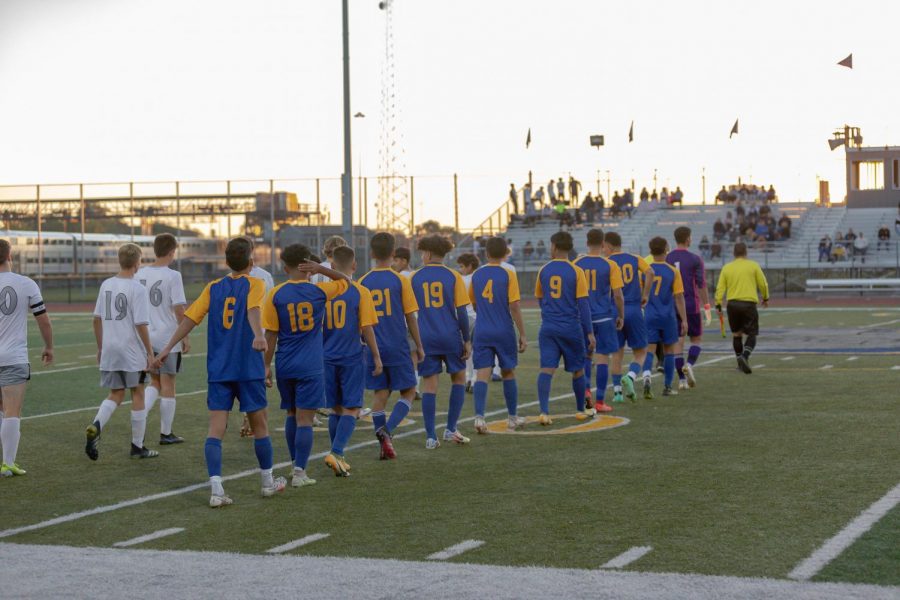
{"x": 602, "y": 377}
{"x": 401, "y": 409}
{"x": 263, "y": 448}
{"x": 457, "y": 400}
{"x": 636, "y": 368}
{"x": 511, "y": 395}
{"x": 617, "y": 381}
{"x": 578, "y": 388}
{"x": 543, "y": 389}
{"x": 332, "y": 426}
{"x": 669, "y": 369}
{"x": 290, "y": 434}
{"x": 378, "y": 419}
{"x": 429, "y": 408}
{"x": 304, "y": 444}
{"x": 588, "y": 363}
{"x": 345, "y": 426}
{"x": 648, "y": 361}
{"x": 480, "y": 390}
{"x": 679, "y": 366}
{"x": 213, "y": 451}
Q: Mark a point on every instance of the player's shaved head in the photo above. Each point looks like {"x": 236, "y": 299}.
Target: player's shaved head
{"x": 682, "y": 235}
{"x": 562, "y": 240}
{"x": 613, "y": 239}
{"x": 496, "y": 248}
{"x": 295, "y": 255}
{"x": 740, "y": 250}
{"x": 436, "y": 245}
{"x": 382, "y": 245}
{"x": 129, "y": 256}
{"x": 164, "y": 244}
{"x": 238, "y": 253}
{"x": 595, "y": 237}
{"x": 5, "y": 250}
{"x": 342, "y": 257}
{"x": 658, "y": 246}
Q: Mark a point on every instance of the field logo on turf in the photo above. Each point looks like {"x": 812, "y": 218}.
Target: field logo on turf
{"x": 598, "y": 423}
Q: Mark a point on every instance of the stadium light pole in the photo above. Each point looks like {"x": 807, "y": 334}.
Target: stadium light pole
{"x": 346, "y": 182}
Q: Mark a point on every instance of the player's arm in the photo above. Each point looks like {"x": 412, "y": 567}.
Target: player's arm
{"x": 179, "y": 316}
{"x": 334, "y": 288}
{"x": 98, "y": 335}
{"x": 183, "y": 329}
{"x": 647, "y": 281}
{"x": 515, "y": 309}
{"x": 763, "y": 285}
{"x": 721, "y": 288}
{"x": 368, "y": 334}
{"x": 584, "y": 308}
{"x": 682, "y": 313}
{"x": 619, "y": 299}
{"x": 271, "y": 342}
{"x": 255, "y": 299}
{"x": 471, "y": 292}
{"x": 461, "y": 300}
{"x": 46, "y": 329}
{"x": 141, "y": 315}
{"x": 143, "y": 332}
{"x": 315, "y": 268}
{"x": 410, "y": 308}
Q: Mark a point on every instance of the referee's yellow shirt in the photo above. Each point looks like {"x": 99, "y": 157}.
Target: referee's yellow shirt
{"x": 742, "y": 279}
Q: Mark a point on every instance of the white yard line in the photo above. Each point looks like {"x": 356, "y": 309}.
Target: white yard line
{"x": 833, "y": 548}
{"x": 94, "y": 365}
{"x": 455, "y": 550}
{"x": 246, "y": 473}
{"x": 627, "y": 557}
{"x": 314, "y": 537}
{"x": 758, "y": 366}
{"x": 852, "y": 358}
{"x": 882, "y": 324}
{"x": 826, "y": 367}
{"x": 149, "y": 537}
{"x": 788, "y": 358}
{"x": 895, "y": 368}
{"x": 76, "y": 410}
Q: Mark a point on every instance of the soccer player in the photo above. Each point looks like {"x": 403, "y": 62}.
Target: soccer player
{"x": 442, "y": 298}
{"x": 402, "y": 257}
{"x": 604, "y": 281}
{"x": 328, "y": 248}
{"x": 665, "y": 316}
{"x": 742, "y": 282}
{"x": 693, "y": 276}
{"x": 346, "y": 316}
{"x": 167, "y": 303}
{"x": 563, "y": 295}
{"x": 292, "y": 316}
{"x": 467, "y": 263}
{"x": 18, "y": 296}
{"x": 234, "y": 364}
{"x": 636, "y": 278}
{"x": 260, "y": 273}
{"x": 494, "y": 293}
{"x": 395, "y": 307}
{"x": 124, "y": 351}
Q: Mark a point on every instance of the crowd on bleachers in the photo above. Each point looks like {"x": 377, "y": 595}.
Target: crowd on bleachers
{"x": 743, "y": 192}
{"x": 756, "y": 225}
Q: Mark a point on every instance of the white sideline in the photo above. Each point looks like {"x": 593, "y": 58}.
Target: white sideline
{"x": 832, "y": 548}
{"x": 75, "y": 410}
{"x": 627, "y": 557}
{"x": 456, "y": 550}
{"x": 149, "y": 537}
{"x": 199, "y": 486}
{"x": 313, "y": 537}
{"x": 788, "y": 358}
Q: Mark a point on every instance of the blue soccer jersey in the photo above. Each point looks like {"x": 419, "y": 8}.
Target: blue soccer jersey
{"x": 492, "y": 290}
{"x": 665, "y": 285}
{"x": 345, "y": 316}
{"x": 295, "y": 310}
{"x": 603, "y": 277}
{"x": 632, "y": 267}
{"x": 439, "y": 292}
{"x": 231, "y": 355}
{"x": 559, "y": 286}
{"x": 393, "y": 298}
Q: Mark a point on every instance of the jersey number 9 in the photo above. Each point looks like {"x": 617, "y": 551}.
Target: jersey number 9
{"x": 434, "y": 294}
{"x": 335, "y": 314}
{"x": 556, "y": 286}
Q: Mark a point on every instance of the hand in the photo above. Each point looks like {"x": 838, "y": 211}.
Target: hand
{"x": 259, "y": 344}
{"x": 592, "y": 342}
{"x": 99, "y": 354}
{"x": 379, "y": 368}
{"x": 309, "y": 266}
{"x": 467, "y": 351}
{"x": 185, "y": 345}
{"x": 268, "y": 376}
{"x": 420, "y": 354}
{"x": 684, "y": 328}
{"x": 708, "y": 314}
{"x": 644, "y": 301}
{"x": 765, "y": 303}
{"x": 47, "y": 356}
{"x": 620, "y": 323}
{"x": 161, "y": 358}
{"x": 151, "y": 362}
{"x": 719, "y": 308}
{"x": 523, "y": 344}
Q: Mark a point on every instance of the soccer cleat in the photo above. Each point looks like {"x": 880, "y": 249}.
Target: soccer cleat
{"x": 682, "y": 384}
{"x": 514, "y": 423}
{"x": 496, "y": 377}
{"x": 344, "y": 464}
{"x": 468, "y": 387}
{"x": 585, "y": 415}
{"x": 336, "y": 464}
{"x": 301, "y": 480}
{"x": 588, "y": 399}
{"x": 617, "y": 398}
{"x": 744, "y": 364}
{"x": 92, "y": 446}
{"x": 317, "y": 422}
{"x": 166, "y": 439}
{"x": 660, "y": 369}
{"x": 668, "y": 391}
{"x": 602, "y": 407}
{"x": 11, "y": 470}
{"x": 432, "y": 444}
{"x": 480, "y": 426}
{"x": 278, "y": 485}
{"x": 246, "y": 430}
{"x": 628, "y": 388}
{"x": 365, "y": 412}
{"x": 455, "y": 437}
{"x": 216, "y": 501}
{"x": 545, "y": 420}
{"x": 323, "y": 412}
{"x": 648, "y": 389}
{"x": 387, "y": 447}
{"x": 143, "y": 452}
{"x": 689, "y": 373}
{"x": 418, "y": 397}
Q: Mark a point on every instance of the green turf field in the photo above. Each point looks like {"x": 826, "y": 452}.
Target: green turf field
{"x": 744, "y": 475}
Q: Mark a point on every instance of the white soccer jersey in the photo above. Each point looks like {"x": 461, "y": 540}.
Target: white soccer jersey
{"x": 19, "y": 295}
{"x": 122, "y": 305}
{"x": 316, "y": 278}
{"x": 261, "y": 273}
{"x": 166, "y": 291}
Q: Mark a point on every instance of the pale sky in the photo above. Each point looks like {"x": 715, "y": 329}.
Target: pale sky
{"x": 118, "y": 90}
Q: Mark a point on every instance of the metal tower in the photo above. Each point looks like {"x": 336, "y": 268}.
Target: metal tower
{"x": 393, "y": 184}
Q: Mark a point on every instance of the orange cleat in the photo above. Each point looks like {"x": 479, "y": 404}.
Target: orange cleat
{"x": 602, "y": 407}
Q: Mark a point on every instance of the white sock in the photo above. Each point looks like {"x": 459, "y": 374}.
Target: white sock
{"x": 138, "y": 427}
{"x": 215, "y": 485}
{"x": 298, "y": 472}
{"x": 633, "y": 375}
{"x": 1, "y": 417}
{"x": 107, "y": 408}
{"x": 267, "y": 479}
{"x": 9, "y": 434}
{"x": 617, "y": 388}
{"x": 150, "y": 396}
{"x": 166, "y": 415}
{"x": 648, "y": 374}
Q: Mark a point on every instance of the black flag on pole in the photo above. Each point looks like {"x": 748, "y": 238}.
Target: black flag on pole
{"x": 528, "y": 139}
{"x": 847, "y": 62}
{"x": 631, "y": 133}
{"x": 734, "y": 129}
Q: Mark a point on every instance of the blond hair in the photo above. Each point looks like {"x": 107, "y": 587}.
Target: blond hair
{"x": 331, "y": 243}
{"x": 129, "y": 256}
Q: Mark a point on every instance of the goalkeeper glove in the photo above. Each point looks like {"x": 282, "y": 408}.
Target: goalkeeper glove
{"x": 708, "y": 314}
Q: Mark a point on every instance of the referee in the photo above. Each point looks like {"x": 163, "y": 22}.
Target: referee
{"x": 743, "y": 283}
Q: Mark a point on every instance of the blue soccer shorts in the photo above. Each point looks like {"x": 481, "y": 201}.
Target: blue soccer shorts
{"x": 304, "y": 393}
{"x": 251, "y": 395}
{"x": 607, "y": 337}
{"x": 663, "y": 330}
{"x": 344, "y": 385}
{"x": 507, "y": 354}
{"x": 434, "y": 364}
{"x": 394, "y": 377}
{"x": 570, "y": 348}
{"x": 634, "y": 333}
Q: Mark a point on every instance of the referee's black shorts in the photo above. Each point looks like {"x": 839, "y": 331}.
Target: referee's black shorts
{"x": 743, "y": 317}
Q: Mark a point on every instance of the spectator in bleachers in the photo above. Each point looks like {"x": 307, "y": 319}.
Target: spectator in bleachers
{"x": 654, "y": 197}
{"x": 664, "y": 197}
{"x": 677, "y": 196}
{"x": 729, "y": 221}
{"x": 722, "y": 196}
{"x": 825, "y": 249}
{"x": 860, "y": 247}
{"x": 761, "y": 231}
{"x": 527, "y": 250}
{"x": 784, "y": 225}
{"x": 771, "y": 196}
{"x": 574, "y": 190}
{"x": 551, "y": 191}
{"x": 616, "y": 209}
{"x": 703, "y": 246}
{"x": 541, "y": 250}
{"x": 884, "y": 237}
{"x": 526, "y": 196}
{"x": 539, "y": 195}
{"x": 514, "y": 198}
{"x": 599, "y": 205}
{"x": 628, "y": 201}
{"x": 560, "y": 189}
{"x": 587, "y": 208}
{"x": 719, "y": 229}
{"x": 645, "y": 196}
{"x": 715, "y": 250}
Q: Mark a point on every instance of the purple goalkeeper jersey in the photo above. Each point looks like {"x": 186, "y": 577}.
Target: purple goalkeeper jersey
{"x": 693, "y": 275}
